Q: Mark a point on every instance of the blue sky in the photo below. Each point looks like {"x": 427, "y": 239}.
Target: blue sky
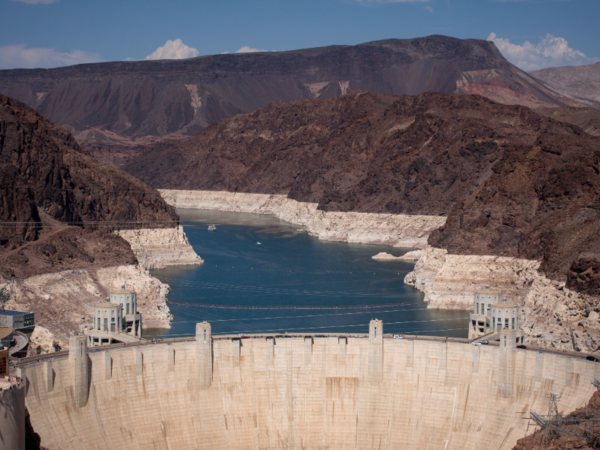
{"x": 47, "y": 33}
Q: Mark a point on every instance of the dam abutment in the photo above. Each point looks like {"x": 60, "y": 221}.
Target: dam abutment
{"x": 287, "y": 391}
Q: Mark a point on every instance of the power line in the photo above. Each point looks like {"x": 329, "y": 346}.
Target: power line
{"x": 312, "y": 328}
{"x": 298, "y": 317}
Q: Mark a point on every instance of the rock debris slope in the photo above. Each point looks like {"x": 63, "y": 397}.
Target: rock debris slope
{"x": 117, "y": 109}
{"x": 60, "y": 210}
{"x": 581, "y": 83}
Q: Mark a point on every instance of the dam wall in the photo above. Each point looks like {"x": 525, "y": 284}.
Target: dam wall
{"x": 302, "y": 392}
{"x": 400, "y": 230}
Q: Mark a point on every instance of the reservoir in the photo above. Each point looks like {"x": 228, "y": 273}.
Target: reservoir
{"x": 263, "y": 275}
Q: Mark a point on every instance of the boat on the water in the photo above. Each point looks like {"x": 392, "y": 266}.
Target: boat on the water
{"x": 212, "y": 228}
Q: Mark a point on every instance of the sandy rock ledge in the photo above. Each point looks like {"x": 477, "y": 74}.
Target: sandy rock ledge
{"x": 63, "y": 302}
{"x": 157, "y": 248}
{"x": 551, "y": 315}
{"x": 400, "y": 230}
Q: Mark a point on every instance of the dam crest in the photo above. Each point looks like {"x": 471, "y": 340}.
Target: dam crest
{"x": 301, "y": 391}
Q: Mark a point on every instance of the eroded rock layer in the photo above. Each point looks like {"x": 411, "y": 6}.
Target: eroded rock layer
{"x": 63, "y": 301}
{"x": 550, "y": 314}
{"x": 401, "y": 230}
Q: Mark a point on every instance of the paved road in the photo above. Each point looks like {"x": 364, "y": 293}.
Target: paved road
{"x": 22, "y": 342}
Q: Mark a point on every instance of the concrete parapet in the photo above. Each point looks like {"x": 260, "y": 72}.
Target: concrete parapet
{"x": 506, "y": 362}
{"x": 49, "y": 376}
{"x": 308, "y": 349}
{"x": 79, "y": 368}
{"x": 204, "y": 360}
{"x": 539, "y": 366}
{"x": 236, "y": 350}
{"x": 270, "y": 351}
{"x": 410, "y": 349}
{"x": 139, "y": 361}
{"x": 107, "y": 365}
{"x": 170, "y": 358}
{"x": 476, "y": 350}
{"x": 375, "y": 350}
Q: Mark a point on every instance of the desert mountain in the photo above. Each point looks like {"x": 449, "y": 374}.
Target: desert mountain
{"x": 588, "y": 119}
{"x": 116, "y": 109}
{"x": 515, "y": 183}
{"x": 582, "y": 83}
{"x": 59, "y": 205}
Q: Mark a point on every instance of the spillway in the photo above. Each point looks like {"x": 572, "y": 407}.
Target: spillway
{"x": 300, "y": 392}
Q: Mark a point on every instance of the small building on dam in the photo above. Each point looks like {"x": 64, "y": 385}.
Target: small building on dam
{"x": 492, "y": 314}
{"x": 116, "y": 320}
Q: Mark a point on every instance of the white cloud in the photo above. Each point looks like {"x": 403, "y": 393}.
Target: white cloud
{"x": 550, "y": 52}
{"x": 37, "y": 2}
{"x": 429, "y": 8}
{"x": 18, "y": 56}
{"x": 246, "y": 49}
{"x": 173, "y": 50}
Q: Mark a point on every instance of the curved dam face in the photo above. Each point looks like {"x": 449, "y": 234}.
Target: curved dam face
{"x": 300, "y": 393}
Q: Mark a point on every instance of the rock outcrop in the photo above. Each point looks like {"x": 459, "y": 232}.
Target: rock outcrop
{"x": 160, "y": 247}
{"x": 362, "y": 152}
{"x": 43, "y": 341}
{"x": 60, "y": 206}
{"x": 581, "y": 83}
{"x": 413, "y": 255}
{"x": 117, "y": 109}
{"x": 551, "y": 314}
{"x": 401, "y": 230}
{"x": 63, "y": 302}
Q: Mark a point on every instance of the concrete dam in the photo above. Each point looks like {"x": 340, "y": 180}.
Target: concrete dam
{"x": 367, "y": 391}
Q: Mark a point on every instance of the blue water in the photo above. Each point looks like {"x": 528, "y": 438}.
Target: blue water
{"x": 259, "y": 261}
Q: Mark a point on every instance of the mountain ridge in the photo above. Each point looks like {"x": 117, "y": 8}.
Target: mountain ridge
{"x": 118, "y": 109}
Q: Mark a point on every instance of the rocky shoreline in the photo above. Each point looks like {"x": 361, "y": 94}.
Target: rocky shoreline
{"x": 550, "y": 314}
{"x": 399, "y": 230}
{"x": 63, "y": 302}
{"x": 159, "y": 247}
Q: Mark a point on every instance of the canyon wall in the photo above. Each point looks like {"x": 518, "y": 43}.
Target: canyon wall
{"x": 400, "y": 230}
{"x": 550, "y": 314}
{"x": 309, "y": 393}
{"x": 159, "y": 247}
{"x": 63, "y": 302}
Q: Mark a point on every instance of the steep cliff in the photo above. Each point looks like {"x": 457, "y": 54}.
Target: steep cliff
{"x": 72, "y": 228}
{"x": 117, "y": 109}
{"x": 59, "y": 206}
{"x": 362, "y": 152}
